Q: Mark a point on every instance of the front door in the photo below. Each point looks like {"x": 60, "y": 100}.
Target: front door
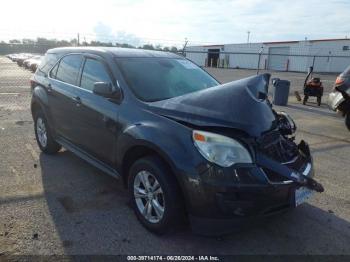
{"x": 97, "y": 115}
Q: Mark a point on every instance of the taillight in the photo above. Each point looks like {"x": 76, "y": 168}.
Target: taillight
{"x": 32, "y": 83}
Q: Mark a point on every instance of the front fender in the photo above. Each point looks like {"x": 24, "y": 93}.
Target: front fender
{"x": 173, "y": 145}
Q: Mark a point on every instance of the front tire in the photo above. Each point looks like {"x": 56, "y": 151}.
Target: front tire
{"x": 155, "y": 195}
{"x": 43, "y": 134}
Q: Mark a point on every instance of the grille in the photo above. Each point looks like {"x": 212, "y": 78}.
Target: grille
{"x": 275, "y": 146}
{"x": 273, "y": 177}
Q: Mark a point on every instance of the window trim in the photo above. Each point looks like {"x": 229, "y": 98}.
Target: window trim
{"x": 58, "y": 58}
{"x": 79, "y": 71}
{"x": 104, "y": 64}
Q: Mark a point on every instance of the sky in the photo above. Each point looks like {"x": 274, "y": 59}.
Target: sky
{"x": 171, "y": 22}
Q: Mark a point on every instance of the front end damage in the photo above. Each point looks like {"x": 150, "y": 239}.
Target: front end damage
{"x": 281, "y": 178}
{"x": 281, "y": 175}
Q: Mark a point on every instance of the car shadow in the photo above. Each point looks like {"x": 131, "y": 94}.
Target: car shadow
{"x": 91, "y": 215}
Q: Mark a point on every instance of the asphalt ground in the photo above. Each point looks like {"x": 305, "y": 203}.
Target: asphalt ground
{"x": 62, "y": 205}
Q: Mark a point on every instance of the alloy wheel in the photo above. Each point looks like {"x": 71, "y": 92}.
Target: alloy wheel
{"x": 41, "y": 132}
{"x": 149, "y": 196}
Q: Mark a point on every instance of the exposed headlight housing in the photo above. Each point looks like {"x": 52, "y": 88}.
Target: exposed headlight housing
{"x": 221, "y": 150}
{"x": 286, "y": 124}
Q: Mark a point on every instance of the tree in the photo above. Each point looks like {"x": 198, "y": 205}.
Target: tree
{"x": 14, "y": 41}
{"x": 73, "y": 42}
{"x": 148, "y": 46}
{"x": 173, "y": 49}
{"x": 125, "y": 45}
{"x": 27, "y": 41}
{"x": 63, "y": 43}
{"x": 158, "y": 47}
{"x": 46, "y": 42}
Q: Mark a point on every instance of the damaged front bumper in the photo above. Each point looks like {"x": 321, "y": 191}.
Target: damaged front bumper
{"x": 228, "y": 198}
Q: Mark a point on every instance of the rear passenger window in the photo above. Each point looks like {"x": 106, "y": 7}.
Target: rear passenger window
{"x": 68, "y": 69}
{"x": 94, "y": 71}
{"x": 47, "y": 63}
{"x": 54, "y": 71}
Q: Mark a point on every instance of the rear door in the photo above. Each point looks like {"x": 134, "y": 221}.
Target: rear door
{"x": 97, "y": 116}
{"x": 64, "y": 95}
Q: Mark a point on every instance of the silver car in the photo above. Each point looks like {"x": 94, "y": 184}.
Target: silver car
{"x": 339, "y": 98}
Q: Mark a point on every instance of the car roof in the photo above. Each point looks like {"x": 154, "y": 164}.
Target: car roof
{"x": 115, "y": 51}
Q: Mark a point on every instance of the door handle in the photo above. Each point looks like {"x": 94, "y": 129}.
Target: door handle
{"x": 49, "y": 87}
{"x": 77, "y": 100}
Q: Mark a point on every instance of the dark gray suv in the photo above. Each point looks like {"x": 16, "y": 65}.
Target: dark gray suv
{"x": 184, "y": 145}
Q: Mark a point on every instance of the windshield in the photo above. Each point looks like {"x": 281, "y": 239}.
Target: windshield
{"x": 154, "y": 79}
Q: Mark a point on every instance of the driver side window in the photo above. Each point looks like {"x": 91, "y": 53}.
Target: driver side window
{"x": 94, "y": 71}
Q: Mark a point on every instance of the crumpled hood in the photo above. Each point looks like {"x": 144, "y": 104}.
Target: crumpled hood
{"x": 239, "y": 104}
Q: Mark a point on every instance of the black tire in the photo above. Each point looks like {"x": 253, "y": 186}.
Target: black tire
{"x": 347, "y": 120}
{"x": 51, "y": 146}
{"x": 173, "y": 202}
{"x": 305, "y": 99}
{"x": 319, "y": 100}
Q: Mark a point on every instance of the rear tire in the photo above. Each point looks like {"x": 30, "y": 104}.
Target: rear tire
{"x": 155, "y": 195}
{"x": 347, "y": 120}
{"x": 319, "y": 99}
{"x": 306, "y": 97}
{"x": 43, "y": 134}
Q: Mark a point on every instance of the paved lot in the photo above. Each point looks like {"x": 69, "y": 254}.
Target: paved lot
{"x": 61, "y": 205}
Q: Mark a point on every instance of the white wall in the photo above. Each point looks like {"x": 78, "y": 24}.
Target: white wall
{"x": 249, "y": 61}
{"x": 330, "y": 48}
{"x": 199, "y": 58}
{"x": 297, "y": 62}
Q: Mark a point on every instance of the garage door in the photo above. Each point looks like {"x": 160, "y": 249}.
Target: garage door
{"x": 278, "y": 57}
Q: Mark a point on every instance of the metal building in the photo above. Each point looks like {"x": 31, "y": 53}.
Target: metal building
{"x": 325, "y": 55}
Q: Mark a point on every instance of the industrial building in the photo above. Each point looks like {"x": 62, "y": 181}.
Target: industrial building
{"x": 325, "y": 55}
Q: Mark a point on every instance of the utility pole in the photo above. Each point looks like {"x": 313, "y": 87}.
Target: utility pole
{"x": 78, "y": 40}
{"x": 248, "y": 37}
{"x": 183, "y": 49}
{"x": 260, "y": 52}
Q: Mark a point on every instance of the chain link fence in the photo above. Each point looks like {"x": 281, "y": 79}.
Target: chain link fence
{"x": 15, "y": 80}
{"x": 269, "y": 61}
{"x": 14, "y": 88}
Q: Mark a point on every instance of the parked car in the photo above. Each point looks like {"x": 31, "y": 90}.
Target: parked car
{"x": 35, "y": 64}
{"x": 183, "y": 144}
{"x": 22, "y": 57}
{"x": 32, "y": 63}
{"x": 13, "y": 57}
{"x": 339, "y": 99}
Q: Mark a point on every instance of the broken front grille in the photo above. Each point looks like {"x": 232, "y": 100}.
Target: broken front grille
{"x": 276, "y": 147}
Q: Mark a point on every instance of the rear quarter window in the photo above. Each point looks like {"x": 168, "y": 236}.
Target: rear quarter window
{"x": 47, "y": 63}
{"x": 68, "y": 69}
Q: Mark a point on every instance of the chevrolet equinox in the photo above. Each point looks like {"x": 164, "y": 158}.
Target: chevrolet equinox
{"x": 184, "y": 145}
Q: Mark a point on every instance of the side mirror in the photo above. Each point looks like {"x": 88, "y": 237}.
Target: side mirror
{"x": 107, "y": 90}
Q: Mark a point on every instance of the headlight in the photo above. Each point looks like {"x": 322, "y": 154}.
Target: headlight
{"x": 221, "y": 150}
{"x": 286, "y": 124}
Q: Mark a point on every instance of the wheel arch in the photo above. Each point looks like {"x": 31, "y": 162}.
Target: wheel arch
{"x": 138, "y": 151}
